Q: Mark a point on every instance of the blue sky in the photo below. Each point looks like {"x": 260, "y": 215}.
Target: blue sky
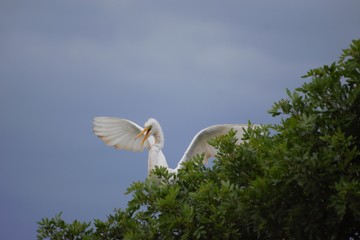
{"x": 189, "y": 64}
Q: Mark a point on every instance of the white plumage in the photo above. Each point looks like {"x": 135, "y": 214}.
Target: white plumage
{"x": 127, "y": 135}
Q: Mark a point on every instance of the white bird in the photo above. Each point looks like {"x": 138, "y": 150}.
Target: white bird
{"x": 125, "y": 134}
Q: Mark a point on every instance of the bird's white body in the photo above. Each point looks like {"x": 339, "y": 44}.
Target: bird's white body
{"x": 124, "y": 134}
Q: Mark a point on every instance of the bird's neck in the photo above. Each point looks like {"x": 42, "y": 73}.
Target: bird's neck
{"x": 156, "y": 157}
{"x": 159, "y": 141}
{"x": 159, "y": 137}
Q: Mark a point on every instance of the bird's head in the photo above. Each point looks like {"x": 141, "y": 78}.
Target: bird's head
{"x": 148, "y": 130}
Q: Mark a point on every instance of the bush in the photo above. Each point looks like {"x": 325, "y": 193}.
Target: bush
{"x": 298, "y": 179}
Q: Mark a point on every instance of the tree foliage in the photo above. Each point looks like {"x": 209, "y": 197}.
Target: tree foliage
{"x": 298, "y": 179}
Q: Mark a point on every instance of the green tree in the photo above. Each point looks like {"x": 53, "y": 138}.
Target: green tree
{"x": 298, "y": 179}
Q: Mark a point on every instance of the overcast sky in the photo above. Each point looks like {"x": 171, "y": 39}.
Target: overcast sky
{"x": 189, "y": 64}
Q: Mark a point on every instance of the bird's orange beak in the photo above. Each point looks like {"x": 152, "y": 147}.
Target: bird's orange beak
{"x": 147, "y": 134}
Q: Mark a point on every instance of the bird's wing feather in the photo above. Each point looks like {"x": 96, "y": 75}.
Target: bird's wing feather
{"x": 200, "y": 144}
{"x": 120, "y": 133}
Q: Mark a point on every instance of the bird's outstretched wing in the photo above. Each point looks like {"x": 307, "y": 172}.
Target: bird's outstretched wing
{"x": 120, "y": 133}
{"x": 200, "y": 145}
